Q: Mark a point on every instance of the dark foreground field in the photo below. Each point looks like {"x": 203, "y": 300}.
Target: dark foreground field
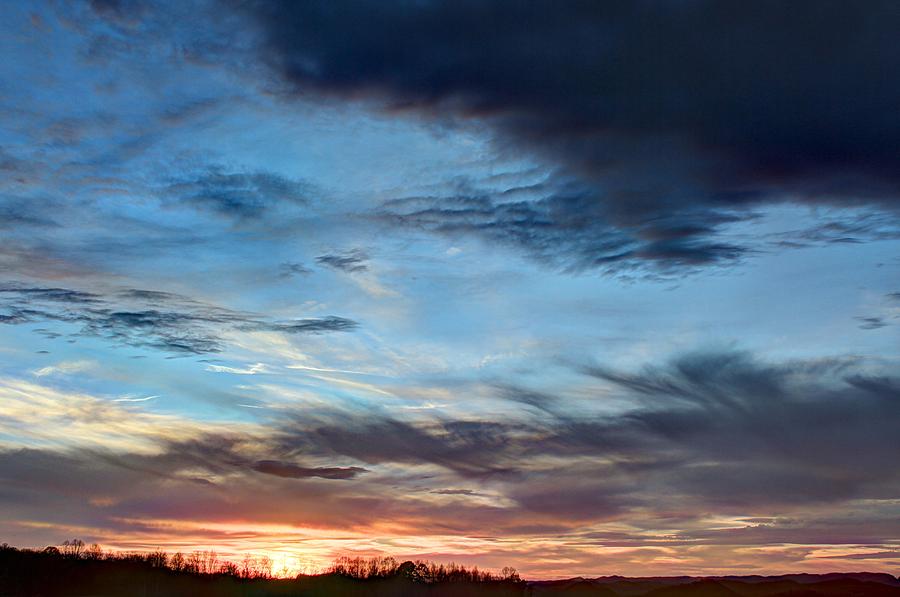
{"x": 33, "y": 573}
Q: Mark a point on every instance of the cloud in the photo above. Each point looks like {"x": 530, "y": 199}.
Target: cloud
{"x": 871, "y": 555}
{"x": 573, "y": 499}
{"x": 764, "y": 433}
{"x": 289, "y": 269}
{"x": 38, "y": 415}
{"x": 21, "y": 213}
{"x": 124, "y": 12}
{"x": 718, "y": 430}
{"x": 57, "y": 295}
{"x": 847, "y": 228}
{"x": 103, "y": 492}
{"x": 871, "y": 323}
{"x": 567, "y": 229}
{"x": 311, "y": 326}
{"x": 455, "y": 492}
{"x": 292, "y": 471}
{"x": 655, "y": 141}
{"x": 148, "y": 318}
{"x": 471, "y": 449}
{"x": 65, "y": 367}
{"x": 131, "y": 399}
{"x": 240, "y": 195}
{"x": 715, "y": 429}
{"x": 351, "y": 261}
{"x": 251, "y": 370}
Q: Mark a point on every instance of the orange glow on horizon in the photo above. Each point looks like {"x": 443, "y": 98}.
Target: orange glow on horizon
{"x": 295, "y": 550}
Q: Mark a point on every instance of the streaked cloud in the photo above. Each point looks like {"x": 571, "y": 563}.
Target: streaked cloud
{"x": 152, "y": 319}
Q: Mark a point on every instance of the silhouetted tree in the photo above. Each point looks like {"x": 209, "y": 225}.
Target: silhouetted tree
{"x": 508, "y": 573}
{"x": 177, "y": 562}
{"x": 193, "y": 563}
{"x": 93, "y": 552}
{"x": 158, "y": 559}
{"x": 229, "y": 569}
{"x": 72, "y": 548}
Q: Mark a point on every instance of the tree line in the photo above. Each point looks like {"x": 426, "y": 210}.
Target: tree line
{"x": 250, "y": 567}
{"x": 418, "y": 570}
{"x": 197, "y": 562}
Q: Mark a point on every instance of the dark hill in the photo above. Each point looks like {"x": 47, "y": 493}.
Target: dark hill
{"x": 700, "y": 588}
{"x": 572, "y": 588}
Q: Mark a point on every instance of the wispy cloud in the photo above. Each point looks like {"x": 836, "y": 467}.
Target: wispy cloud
{"x": 251, "y": 370}
{"x": 289, "y": 269}
{"x": 150, "y": 319}
{"x": 352, "y": 261}
{"x": 64, "y": 368}
{"x": 133, "y": 399}
{"x": 239, "y": 195}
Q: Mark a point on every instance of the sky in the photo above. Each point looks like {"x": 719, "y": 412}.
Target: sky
{"x": 581, "y": 288}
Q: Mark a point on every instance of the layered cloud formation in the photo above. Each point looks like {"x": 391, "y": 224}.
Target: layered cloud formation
{"x": 709, "y": 437}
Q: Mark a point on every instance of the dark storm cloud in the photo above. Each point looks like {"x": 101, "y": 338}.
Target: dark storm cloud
{"x": 148, "y": 318}
{"x": 238, "y": 195}
{"x": 664, "y": 121}
{"x": 351, "y": 261}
